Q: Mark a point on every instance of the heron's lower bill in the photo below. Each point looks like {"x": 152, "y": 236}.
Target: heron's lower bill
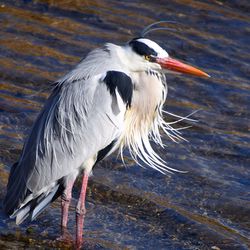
{"x": 177, "y": 66}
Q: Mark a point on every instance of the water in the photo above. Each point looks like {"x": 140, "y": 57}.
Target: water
{"x": 130, "y": 207}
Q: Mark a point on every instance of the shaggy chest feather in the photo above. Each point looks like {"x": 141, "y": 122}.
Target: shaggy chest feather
{"x": 142, "y": 119}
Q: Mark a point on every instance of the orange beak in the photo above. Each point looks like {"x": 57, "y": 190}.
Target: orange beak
{"x": 177, "y": 66}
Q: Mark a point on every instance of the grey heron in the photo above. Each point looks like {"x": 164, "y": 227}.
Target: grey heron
{"x": 112, "y": 99}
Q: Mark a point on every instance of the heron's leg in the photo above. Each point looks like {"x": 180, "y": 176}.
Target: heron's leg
{"x": 80, "y": 212}
{"x": 65, "y": 202}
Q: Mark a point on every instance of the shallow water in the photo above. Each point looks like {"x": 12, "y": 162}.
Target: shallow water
{"x": 131, "y": 207}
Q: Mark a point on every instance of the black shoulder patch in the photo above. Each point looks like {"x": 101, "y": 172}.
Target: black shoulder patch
{"x": 141, "y": 48}
{"x": 123, "y": 83}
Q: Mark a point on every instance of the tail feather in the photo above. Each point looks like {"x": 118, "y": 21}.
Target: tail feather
{"x": 22, "y": 215}
{"x": 16, "y": 191}
{"x": 21, "y": 203}
{"x": 44, "y": 203}
{"x": 36, "y": 206}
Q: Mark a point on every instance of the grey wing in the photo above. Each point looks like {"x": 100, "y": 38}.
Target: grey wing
{"x": 79, "y": 120}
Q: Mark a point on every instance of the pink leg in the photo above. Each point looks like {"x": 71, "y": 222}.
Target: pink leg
{"x": 80, "y": 212}
{"x": 65, "y": 202}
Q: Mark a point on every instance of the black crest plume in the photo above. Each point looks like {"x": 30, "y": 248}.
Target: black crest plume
{"x": 153, "y": 27}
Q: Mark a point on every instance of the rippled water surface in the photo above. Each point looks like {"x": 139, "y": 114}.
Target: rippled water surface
{"x": 131, "y": 207}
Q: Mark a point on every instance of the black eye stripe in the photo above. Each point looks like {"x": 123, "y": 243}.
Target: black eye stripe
{"x": 141, "y": 48}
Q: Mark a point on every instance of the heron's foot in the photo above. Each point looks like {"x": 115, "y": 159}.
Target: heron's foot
{"x": 65, "y": 237}
{"x": 65, "y": 241}
{"x": 78, "y": 244}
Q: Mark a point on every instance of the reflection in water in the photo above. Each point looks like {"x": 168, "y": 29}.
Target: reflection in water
{"x": 130, "y": 207}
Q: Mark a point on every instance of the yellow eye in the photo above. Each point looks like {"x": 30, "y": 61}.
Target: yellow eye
{"x": 147, "y": 58}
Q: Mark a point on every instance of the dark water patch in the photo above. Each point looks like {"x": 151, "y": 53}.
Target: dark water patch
{"x": 49, "y": 41}
{"x": 54, "y": 11}
{"x": 42, "y": 62}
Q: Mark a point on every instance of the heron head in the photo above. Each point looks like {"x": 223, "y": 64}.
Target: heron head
{"x": 150, "y": 55}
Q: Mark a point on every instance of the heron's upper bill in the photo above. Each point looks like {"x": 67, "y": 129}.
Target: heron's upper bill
{"x": 177, "y": 66}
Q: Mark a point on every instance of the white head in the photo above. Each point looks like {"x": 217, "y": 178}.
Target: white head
{"x": 144, "y": 46}
{"x": 143, "y": 54}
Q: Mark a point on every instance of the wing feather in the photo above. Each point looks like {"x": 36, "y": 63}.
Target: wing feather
{"x": 77, "y": 121}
